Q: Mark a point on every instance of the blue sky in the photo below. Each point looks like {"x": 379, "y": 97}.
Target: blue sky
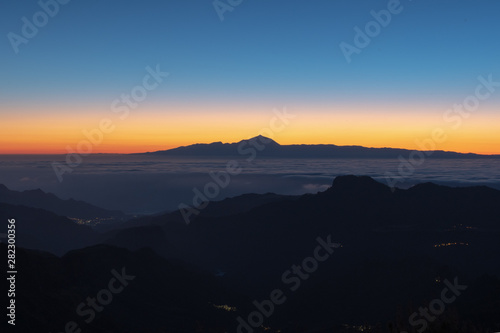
{"x": 94, "y": 47}
{"x": 276, "y": 52}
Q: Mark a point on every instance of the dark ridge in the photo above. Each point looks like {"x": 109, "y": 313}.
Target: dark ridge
{"x": 350, "y": 184}
{"x": 71, "y": 208}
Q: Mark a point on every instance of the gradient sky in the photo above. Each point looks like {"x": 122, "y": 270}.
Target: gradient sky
{"x": 226, "y": 77}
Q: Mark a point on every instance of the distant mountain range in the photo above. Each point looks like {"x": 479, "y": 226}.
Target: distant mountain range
{"x": 70, "y": 208}
{"x": 267, "y": 147}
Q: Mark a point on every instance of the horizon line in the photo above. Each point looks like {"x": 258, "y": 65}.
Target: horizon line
{"x": 255, "y": 137}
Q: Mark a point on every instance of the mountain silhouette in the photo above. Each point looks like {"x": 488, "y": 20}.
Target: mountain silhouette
{"x": 392, "y": 235}
{"x": 270, "y": 148}
{"x": 156, "y": 293}
{"x": 396, "y": 248}
{"x": 70, "y": 208}
{"x": 43, "y": 230}
{"x": 229, "y": 206}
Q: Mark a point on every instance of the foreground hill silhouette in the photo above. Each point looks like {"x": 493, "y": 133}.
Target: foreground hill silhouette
{"x": 155, "y": 295}
{"x": 267, "y": 147}
{"x": 160, "y": 296}
{"x": 395, "y": 245}
{"x": 397, "y": 249}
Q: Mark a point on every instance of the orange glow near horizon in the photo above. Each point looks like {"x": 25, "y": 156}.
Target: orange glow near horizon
{"x": 159, "y": 129}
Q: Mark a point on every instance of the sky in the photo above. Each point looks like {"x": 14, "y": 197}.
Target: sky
{"x": 232, "y": 67}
